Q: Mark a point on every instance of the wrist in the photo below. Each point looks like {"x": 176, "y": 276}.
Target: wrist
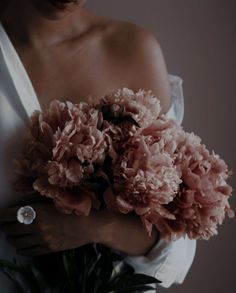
{"x": 124, "y": 233}
{"x": 101, "y": 227}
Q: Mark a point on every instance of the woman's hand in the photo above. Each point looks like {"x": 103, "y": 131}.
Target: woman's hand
{"x": 54, "y": 231}
{"x": 126, "y": 233}
{"x": 51, "y": 231}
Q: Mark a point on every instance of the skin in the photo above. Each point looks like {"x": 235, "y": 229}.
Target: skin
{"x": 72, "y": 54}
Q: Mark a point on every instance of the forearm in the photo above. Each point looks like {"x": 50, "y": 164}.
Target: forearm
{"x": 125, "y": 233}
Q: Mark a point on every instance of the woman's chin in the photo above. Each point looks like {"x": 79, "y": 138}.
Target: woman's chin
{"x": 63, "y": 5}
{"x": 54, "y": 9}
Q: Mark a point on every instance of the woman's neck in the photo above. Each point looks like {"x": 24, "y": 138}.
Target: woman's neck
{"x": 31, "y": 27}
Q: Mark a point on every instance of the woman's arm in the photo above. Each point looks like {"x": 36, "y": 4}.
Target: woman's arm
{"x": 124, "y": 233}
{"x": 53, "y": 231}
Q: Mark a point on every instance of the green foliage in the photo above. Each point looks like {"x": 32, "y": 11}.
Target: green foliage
{"x": 92, "y": 268}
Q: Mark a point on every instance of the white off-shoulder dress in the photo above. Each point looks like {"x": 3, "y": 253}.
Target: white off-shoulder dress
{"x": 167, "y": 262}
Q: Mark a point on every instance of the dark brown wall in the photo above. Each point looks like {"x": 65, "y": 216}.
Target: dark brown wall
{"x": 198, "y": 39}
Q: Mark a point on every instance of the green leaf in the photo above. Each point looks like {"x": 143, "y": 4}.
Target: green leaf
{"x": 69, "y": 272}
{"x": 92, "y": 268}
{"x": 5, "y": 264}
{"x": 22, "y": 276}
{"x": 104, "y": 266}
{"x": 130, "y": 280}
{"x": 41, "y": 280}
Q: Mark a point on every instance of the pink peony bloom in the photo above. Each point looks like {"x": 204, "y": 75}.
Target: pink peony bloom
{"x": 144, "y": 179}
{"x": 202, "y": 201}
{"x": 63, "y": 147}
{"x": 143, "y": 107}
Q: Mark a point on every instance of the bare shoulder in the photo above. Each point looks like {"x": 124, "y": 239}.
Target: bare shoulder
{"x": 136, "y": 49}
{"x": 123, "y": 30}
{"x": 128, "y": 38}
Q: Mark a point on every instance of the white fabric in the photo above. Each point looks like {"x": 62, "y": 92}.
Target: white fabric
{"x": 18, "y": 100}
{"x": 169, "y": 263}
{"x": 176, "y": 110}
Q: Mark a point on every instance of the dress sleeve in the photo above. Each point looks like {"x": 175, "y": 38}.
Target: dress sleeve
{"x": 168, "y": 262}
{"x": 176, "y": 110}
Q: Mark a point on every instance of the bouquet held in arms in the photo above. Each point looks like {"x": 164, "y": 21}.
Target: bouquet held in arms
{"x": 121, "y": 154}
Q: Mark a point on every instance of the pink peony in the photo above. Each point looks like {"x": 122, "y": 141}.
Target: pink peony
{"x": 202, "y": 201}
{"x": 63, "y": 147}
{"x": 142, "y": 107}
{"x": 144, "y": 179}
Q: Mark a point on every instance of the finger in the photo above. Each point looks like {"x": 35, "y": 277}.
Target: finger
{"x": 17, "y": 229}
{"x": 24, "y": 241}
{"x": 8, "y": 215}
{"x": 34, "y": 250}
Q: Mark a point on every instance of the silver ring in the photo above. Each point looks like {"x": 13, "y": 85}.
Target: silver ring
{"x": 26, "y": 215}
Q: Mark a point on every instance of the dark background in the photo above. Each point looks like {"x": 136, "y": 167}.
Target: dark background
{"x": 198, "y": 39}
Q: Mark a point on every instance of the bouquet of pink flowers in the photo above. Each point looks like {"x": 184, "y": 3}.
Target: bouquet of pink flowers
{"x": 136, "y": 158}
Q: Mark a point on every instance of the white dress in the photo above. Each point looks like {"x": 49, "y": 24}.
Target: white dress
{"x": 167, "y": 262}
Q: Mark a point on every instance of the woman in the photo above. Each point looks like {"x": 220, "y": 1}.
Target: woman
{"x": 57, "y": 49}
